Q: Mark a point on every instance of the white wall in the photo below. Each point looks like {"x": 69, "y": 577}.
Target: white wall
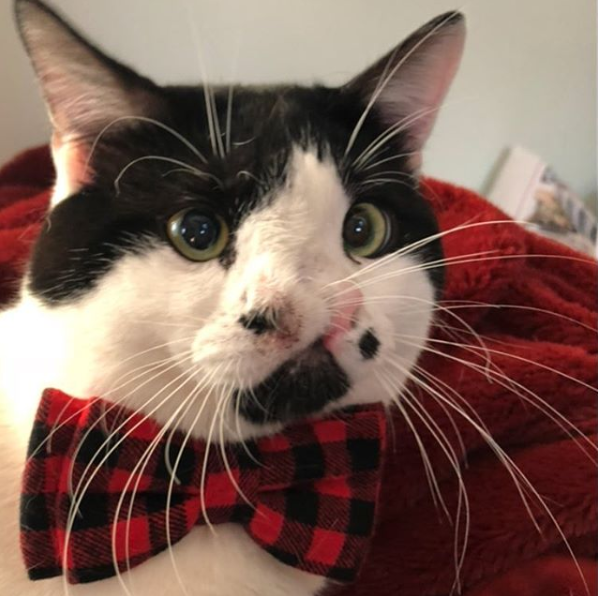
{"x": 528, "y": 76}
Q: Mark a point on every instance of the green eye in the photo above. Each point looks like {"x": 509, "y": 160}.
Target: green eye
{"x": 198, "y": 234}
{"x": 366, "y": 230}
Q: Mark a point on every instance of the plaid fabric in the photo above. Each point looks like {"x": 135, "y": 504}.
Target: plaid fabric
{"x": 308, "y": 494}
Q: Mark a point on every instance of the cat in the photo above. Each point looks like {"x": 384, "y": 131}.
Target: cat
{"x": 215, "y": 257}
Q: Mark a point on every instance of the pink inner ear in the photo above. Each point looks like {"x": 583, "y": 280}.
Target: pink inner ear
{"x": 72, "y": 172}
{"x": 421, "y": 83}
{"x": 440, "y": 73}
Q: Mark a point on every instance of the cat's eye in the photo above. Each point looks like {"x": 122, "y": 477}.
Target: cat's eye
{"x": 366, "y": 230}
{"x": 198, "y": 234}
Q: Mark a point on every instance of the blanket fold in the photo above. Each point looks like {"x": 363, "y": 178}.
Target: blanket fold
{"x": 504, "y": 408}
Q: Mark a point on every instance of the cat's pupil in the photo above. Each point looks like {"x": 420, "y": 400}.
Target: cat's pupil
{"x": 358, "y": 230}
{"x": 200, "y": 231}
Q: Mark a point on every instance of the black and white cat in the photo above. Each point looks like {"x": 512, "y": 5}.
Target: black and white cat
{"x": 229, "y": 251}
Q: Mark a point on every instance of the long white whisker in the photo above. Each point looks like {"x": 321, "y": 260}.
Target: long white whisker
{"x": 225, "y": 461}
{"x": 173, "y": 472}
{"x": 447, "y": 449}
{"x": 204, "y": 470}
{"x": 516, "y": 475}
{"x": 528, "y": 395}
{"x": 161, "y": 158}
{"x": 137, "y": 473}
{"x": 388, "y": 77}
{"x": 157, "y": 123}
{"x": 72, "y": 490}
{"x": 79, "y": 492}
{"x": 429, "y": 469}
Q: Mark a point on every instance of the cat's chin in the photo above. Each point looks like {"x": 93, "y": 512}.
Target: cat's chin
{"x": 298, "y": 388}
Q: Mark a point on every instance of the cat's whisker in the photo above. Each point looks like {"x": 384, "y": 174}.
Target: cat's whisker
{"x": 387, "y": 76}
{"x": 482, "y": 344}
{"x": 516, "y": 475}
{"x": 441, "y": 385}
{"x": 391, "y": 132}
{"x": 381, "y": 142}
{"x": 431, "y": 265}
{"x": 204, "y": 469}
{"x": 241, "y": 389}
{"x": 176, "y": 360}
{"x": 463, "y": 261}
{"x": 205, "y": 175}
{"x": 434, "y": 306}
{"x": 161, "y": 158}
{"x": 164, "y": 323}
{"x": 447, "y": 449}
{"x": 145, "y": 368}
{"x": 378, "y": 163}
{"x": 518, "y": 389}
{"x": 412, "y": 247}
{"x": 148, "y": 120}
{"x": 76, "y": 492}
{"x": 173, "y": 470}
{"x": 391, "y": 173}
{"x": 450, "y": 392}
{"x": 397, "y": 272}
{"x": 47, "y": 442}
{"x": 225, "y": 461}
{"x": 381, "y": 182}
{"x": 114, "y": 403}
{"x": 211, "y": 113}
{"x": 230, "y": 96}
{"x": 217, "y": 127}
{"x": 503, "y": 457}
{"x": 454, "y": 462}
{"x": 429, "y": 469}
{"x": 465, "y": 305}
{"x": 229, "y": 117}
{"x": 85, "y": 482}
{"x": 497, "y": 305}
{"x": 377, "y": 263}
{"x": 137, "y": 473}
{"x": 170, "y": 467}
{"x": 248, "y": 174}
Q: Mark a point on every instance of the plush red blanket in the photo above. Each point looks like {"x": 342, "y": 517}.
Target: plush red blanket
{"x": 516, "y": 403}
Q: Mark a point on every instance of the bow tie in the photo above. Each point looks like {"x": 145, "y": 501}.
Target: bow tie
{"x": 306, "y": 495}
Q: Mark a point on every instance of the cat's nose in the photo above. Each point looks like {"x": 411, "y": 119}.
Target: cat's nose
{"x": 261, "y": 321}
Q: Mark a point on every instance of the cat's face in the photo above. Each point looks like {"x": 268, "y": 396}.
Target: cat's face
{"x": 264, "y": 246}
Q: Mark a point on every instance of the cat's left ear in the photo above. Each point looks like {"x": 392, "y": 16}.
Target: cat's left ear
{"x": 84, "y": 89}
{"x": 406, "y": 87}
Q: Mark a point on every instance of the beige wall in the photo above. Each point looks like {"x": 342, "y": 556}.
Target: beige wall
{"x": 528, "y": 76}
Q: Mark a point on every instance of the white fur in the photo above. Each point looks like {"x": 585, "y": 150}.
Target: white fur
{"x": 288, "y": 252}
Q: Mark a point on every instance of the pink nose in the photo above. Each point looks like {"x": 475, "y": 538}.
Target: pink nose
{"x": 345, "y": 306}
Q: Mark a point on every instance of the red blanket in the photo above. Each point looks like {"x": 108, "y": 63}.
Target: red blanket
{"x": 522, "y": 379}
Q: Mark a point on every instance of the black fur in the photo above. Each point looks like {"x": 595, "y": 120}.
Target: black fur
{"x": 87, "y": 233}
{"x": 369, "y": 345}
{"x": 298, "y": 388}
{"x": 266, "y": 124}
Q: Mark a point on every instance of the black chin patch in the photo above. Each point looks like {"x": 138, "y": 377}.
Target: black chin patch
{"x": 368, "y": 345}
{"x": 296, "y": 389}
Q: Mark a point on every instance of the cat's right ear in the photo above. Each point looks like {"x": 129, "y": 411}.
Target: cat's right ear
{"x": 407, "y": 86}
{"x": 84, "y": 89}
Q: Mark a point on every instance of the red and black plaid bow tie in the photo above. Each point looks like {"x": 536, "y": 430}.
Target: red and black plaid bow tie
{"x": 308, "y": 494}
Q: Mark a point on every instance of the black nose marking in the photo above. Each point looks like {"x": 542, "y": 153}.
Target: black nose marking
{"x": 259, "y": 321}
{"x": 368, "y": 345}
{"x": 296, "y": 389}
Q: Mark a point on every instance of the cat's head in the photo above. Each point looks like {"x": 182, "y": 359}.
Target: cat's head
{"x": 263, "y": 245}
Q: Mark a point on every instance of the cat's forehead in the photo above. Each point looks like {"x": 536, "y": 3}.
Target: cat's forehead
{"x": 233, "y": 147}
{"x": 256, "y": 129}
